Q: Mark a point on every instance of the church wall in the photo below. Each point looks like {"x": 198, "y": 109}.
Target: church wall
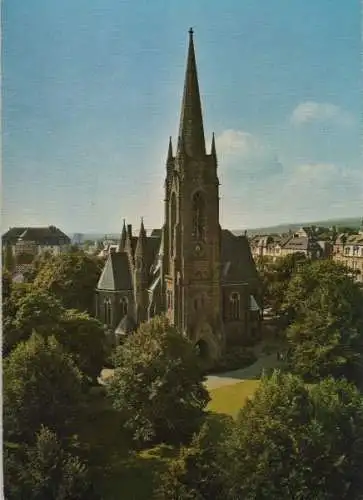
{"x": 114, "y": 299}
{"x": 236, "y": 330}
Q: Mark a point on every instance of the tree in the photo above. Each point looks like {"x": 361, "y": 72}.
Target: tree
{"x": 44, "y": 470}
{"x": 41, "y": 385}
{"x": 72, "y": 277}
{"x": 158, "y": 384}
{"x": 84, "y": 337}
{"x": 276, "y": 276}
{"x": 326, "y": 333}
{"x": 294, "y": 442}
{"x": 199, "y": 472}
{"x": 9, "y": 260}
{"x": 80, "y": 334}
{"x": 6, "y": 284}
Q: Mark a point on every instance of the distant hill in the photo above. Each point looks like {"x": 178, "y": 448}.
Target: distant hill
{"x": 353, "y": 222}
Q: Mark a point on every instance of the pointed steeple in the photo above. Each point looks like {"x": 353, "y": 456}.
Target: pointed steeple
{"x": 141, "y": 240}
{"x": 170, "y": 151}
{"x": 191, "y": 121}
{"x": 121, "y": 246}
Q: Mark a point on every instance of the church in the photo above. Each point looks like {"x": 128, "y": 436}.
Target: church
{"x": 202, "y": 277}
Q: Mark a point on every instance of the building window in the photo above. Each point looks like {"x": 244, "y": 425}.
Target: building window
{"x": 235, "y": 306}
{"x": 123, "y": 306}
{"x": 198, "y": 207}
{"x": 107, "y": 311}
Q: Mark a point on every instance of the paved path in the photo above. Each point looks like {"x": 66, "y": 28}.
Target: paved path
{"x": 228, "y": 378}
{"x": 251, "y": 372}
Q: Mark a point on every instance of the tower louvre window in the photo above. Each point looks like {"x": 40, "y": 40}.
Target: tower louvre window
{"x": 198, "y": 207}
{"x": 235, "y": 306}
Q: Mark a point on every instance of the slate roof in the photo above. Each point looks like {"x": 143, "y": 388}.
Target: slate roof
{"x": 302, "y": 243}
{"x": 237, "y": 262}
{"x": 353, "y": 239}
{"x": 47, "y": 236}
{"x": 116, "y": 274}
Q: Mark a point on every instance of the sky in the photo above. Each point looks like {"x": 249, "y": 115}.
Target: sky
{"x": 92, "y": 91}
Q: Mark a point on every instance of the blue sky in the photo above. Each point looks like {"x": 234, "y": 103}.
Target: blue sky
{"x": 92, "y": 91}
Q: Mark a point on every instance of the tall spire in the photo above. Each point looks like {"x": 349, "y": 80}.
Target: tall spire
{"x": 191, "y": 129}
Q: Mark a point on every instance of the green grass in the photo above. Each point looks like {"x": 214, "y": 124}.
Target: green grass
{"x": 229, "y": 399}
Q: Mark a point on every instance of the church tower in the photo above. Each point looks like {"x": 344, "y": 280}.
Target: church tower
{"x": 191, "y": 233}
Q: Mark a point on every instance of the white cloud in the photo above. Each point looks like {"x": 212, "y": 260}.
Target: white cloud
{"x": 237, "y": 142}
{"x": 244, "y": 152}
{"x": 311, "y": 111}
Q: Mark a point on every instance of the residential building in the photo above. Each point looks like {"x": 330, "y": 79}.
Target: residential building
{"x": 348, "y": 250}
{"x": 32, "y": 241}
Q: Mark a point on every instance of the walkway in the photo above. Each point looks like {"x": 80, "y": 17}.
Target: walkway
{"x": 266, "y": 362}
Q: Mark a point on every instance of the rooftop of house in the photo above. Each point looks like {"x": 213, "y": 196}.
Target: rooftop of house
{"x": 352, "y": 239}
{"x": 47, "y": 236}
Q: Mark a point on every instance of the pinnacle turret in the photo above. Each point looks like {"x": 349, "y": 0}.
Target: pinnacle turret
{"x": 141, "y": 240}
{"x": 170, "y": 151}
{"x": 123, "y": 238}
{"x": 213, "y": 147}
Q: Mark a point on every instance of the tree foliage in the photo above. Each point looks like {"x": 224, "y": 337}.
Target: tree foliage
{"x": 276, "y": 276}
{"x": 84, "y": 338}
{"x": 37, "y": 310}
{"x": 41, "y": 385}
{"x": 326, "y": 334}
{"x": 199, "y": 472}
{"x": 44, "y": 470}
{"x": 72, "y": 277}
{"x": 294, "y": 442}
{"x": 158, "y": 384}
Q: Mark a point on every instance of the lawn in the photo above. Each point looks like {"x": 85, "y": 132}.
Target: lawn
{"x": 229, "y": 399}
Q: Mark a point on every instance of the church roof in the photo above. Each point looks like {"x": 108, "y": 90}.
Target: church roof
{"x": 236, "y": 258}
{"x": 116, "y": 274}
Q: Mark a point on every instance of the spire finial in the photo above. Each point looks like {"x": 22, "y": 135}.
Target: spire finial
{"x": 191, "y": 32}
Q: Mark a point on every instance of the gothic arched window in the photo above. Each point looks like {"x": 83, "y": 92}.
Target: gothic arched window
{"x": 107, "y": 311}
{"x": 172, "y": 222}
{"x": 198, "y": 207}
{"x": 235, "y": 306}
{"x": 123, "y": 307}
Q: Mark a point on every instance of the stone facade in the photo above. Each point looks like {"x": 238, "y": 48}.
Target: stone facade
{"x": 202, "y": 277}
